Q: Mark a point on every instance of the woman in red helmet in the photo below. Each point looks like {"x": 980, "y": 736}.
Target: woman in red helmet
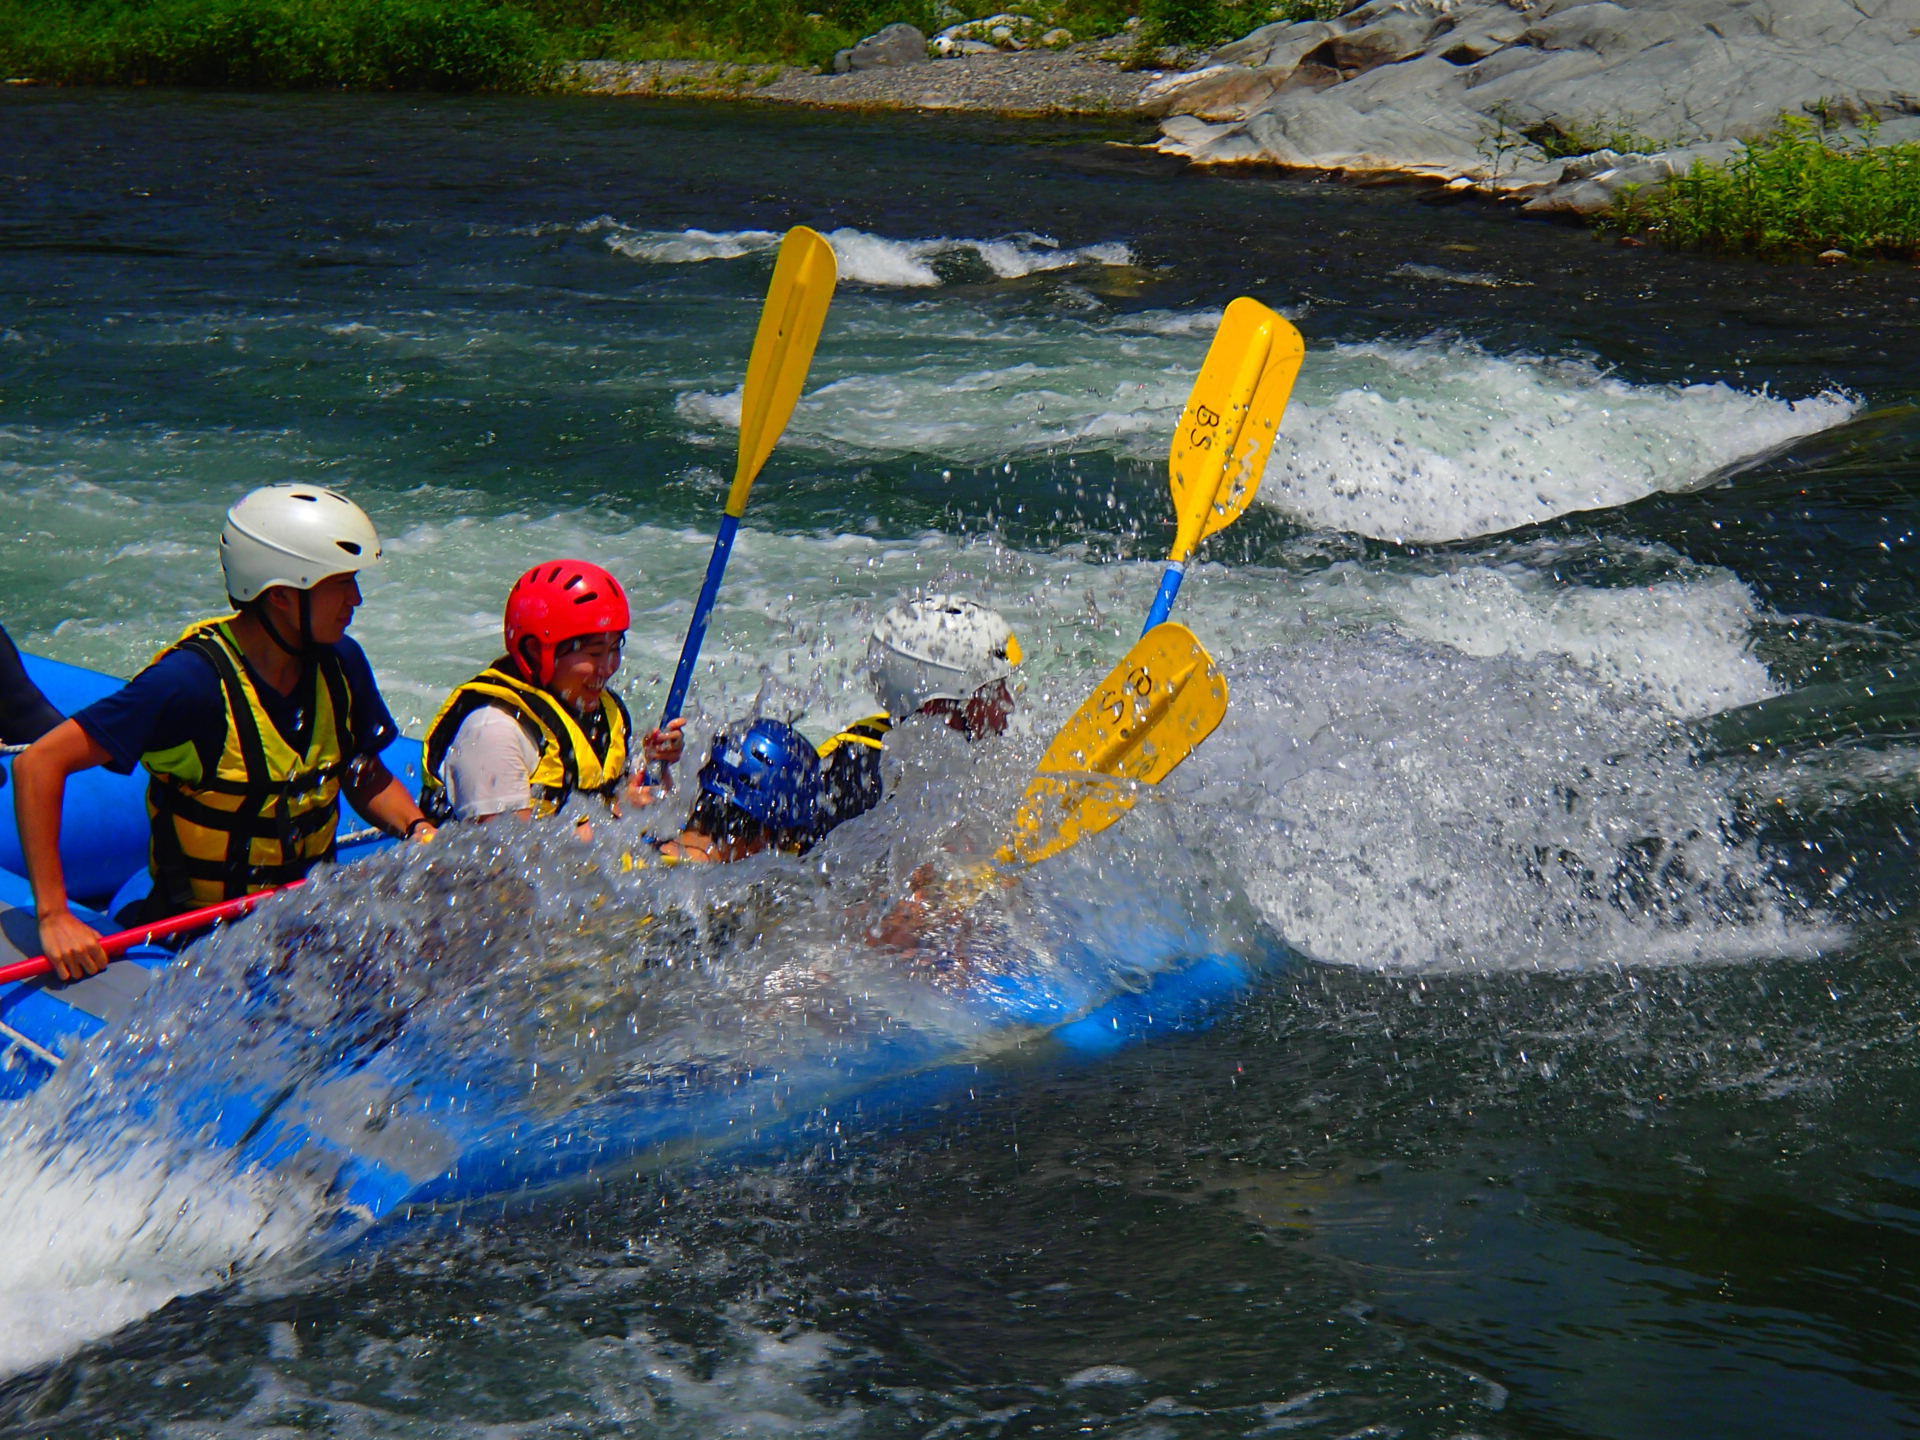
{"x": 539, "y": 725}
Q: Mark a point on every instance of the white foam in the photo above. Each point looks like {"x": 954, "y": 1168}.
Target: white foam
{"x": 1438, "y": 442}
{"x": 868, "y": 259}
{"x": 1394, "y": 805}
{"x": 1444, "y": 276}
{"x": 93, "y": 1244}
{"x": 1421, "y": 443}
{"x": 687, "y": 247}
{"x": 1684, "y": 645}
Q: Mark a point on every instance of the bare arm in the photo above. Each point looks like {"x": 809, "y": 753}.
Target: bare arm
{"x": 40, "y": 788}
{"x": 376, "y": 794}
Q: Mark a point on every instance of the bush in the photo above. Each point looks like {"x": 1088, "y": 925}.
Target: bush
{"x": 483, "y": 44}
{"x": 1796, "y": 192}
{"x": 801, "y": 31}
{"x": 403, "y": 44}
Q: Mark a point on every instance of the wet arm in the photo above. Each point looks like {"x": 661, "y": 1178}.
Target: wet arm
{"x": 40, "y": 788}
{"x": 376, "y": 794}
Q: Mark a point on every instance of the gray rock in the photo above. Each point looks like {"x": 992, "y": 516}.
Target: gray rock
{"x": 1251, "y": 49}
{"x": 1454, "y": 89}
{"x": 896, "y": 44}
{"x": 1485, "y": 34}
{"x": 1275, "y": 45}
{"x": 1604, "y": 29}
{"x": 1390, "y": 38}
{"x": 1592, "y": 183}
{"x": 944, "y": 45}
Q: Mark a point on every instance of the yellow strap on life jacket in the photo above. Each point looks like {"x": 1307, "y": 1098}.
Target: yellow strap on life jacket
{"x": 870, "y": 733}
{"x": 268, "y": 813}
{"x": 568, "y": 760}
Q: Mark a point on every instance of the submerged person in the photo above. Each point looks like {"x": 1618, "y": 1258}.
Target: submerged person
{"x": 759, "y": 790}
{"x": 540, "y": 725}
{"x": 938, "y": 655}
{"x": 25, "y": 713}
{"x": 251, "y": 727}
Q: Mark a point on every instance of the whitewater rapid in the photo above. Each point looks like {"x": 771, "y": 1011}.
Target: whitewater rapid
{"x": 1434, "y": 761}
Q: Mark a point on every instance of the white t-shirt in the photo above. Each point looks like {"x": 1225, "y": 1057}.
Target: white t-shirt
{"x": 489, "y": 767}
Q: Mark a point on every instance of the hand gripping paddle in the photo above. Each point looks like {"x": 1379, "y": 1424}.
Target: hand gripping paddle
{"x": 191, "y": 923}
{"x": 796, "y": 308}
{"x": 1226, "y": 432}
{"x": 1147, "y": 716}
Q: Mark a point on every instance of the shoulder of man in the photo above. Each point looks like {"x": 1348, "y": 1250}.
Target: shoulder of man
{"x": 372, "y": 724}
{"x": 176, "y": 700}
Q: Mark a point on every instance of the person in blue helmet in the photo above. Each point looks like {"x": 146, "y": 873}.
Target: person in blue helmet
{"x": 759, "y": 790}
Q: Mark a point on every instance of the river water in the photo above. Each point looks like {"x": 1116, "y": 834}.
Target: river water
{"x": 1580, "y": 1101}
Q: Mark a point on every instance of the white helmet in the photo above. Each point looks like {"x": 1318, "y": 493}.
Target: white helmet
{"x": 293, "y": 535}
{"x": 938, "y": 647}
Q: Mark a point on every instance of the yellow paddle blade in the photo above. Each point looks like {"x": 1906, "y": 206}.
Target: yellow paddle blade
{"x": 1226, "y": 432}
{"x": 1247, "y": 462}
{"x": 796, "y": 308}
{"x": 1147, "y": 716}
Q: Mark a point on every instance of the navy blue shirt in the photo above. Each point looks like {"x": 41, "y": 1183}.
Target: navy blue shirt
{"x": 177, "y": 700}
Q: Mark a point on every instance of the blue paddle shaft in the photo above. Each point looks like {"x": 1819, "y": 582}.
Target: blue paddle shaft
{"x": 702, "y": 612}
{"x": 1169, "y": 587}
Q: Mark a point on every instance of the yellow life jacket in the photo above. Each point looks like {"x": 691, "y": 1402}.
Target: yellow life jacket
{"x": 569, "y": 761}
{"x": 268, "y": 813}
{"x": 850, "y": 780}
{"x": 869, "y": 734}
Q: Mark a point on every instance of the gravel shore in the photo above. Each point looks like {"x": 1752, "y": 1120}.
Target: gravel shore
{"x": 1080, "y": 80}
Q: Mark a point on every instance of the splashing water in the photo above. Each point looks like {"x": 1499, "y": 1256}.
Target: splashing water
{"x": 1394, "y": 805}
{"x": 533, "y": 1008}
{"x": 870, "y": 259}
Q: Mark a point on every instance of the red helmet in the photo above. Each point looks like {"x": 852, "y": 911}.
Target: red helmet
{"x": 561, "y": 600}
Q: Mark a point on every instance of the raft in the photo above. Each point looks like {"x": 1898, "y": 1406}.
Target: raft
{"x": 442, "y": 1144}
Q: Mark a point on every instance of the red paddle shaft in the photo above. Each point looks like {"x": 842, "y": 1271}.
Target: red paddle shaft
{"x": 192, "y": 922}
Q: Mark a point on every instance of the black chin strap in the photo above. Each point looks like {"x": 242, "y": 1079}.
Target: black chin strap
{"x": 306, "y": 646}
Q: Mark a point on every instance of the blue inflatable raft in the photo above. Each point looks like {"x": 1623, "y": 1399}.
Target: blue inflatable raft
{"x": 385, "y": 1126}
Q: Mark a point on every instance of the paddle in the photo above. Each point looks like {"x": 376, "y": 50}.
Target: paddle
{"x": 796, "y": 308}
{"x": 1220, "y": 450}
{"x": 187, "y": 923}
{"x": 1146, "y": 717}
{"x": 190, "y": 923}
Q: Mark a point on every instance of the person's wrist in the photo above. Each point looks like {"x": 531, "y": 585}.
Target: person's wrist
{"x": 415, "y": 825}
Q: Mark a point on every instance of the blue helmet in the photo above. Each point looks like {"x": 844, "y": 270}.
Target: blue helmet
{"x": 769, "y": 771}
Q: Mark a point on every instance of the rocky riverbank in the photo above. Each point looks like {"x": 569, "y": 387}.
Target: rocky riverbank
{"x": 1559, "y": 104}
{"x": 1080, "y": 79}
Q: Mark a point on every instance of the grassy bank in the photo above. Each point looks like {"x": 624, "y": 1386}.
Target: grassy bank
{"x": 409, "y": 44}
{"x": 1798, "y": 192}
{"x": 478, "y": 44}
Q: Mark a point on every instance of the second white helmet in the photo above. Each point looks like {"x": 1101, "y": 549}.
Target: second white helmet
{"x": 295, "y": 535}
{"x": 938, "y": 647}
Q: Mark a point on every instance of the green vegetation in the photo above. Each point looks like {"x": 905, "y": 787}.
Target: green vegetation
{"x": 415, "y": 44}
{"x": 1797, "y": 192}
{"x": 518, "y": 44}
{"x": 1510, "y": 137}
{"x": 795, "y": 32}
{"x": 1200, "y": 23}
{"x": 1566, "y": 140}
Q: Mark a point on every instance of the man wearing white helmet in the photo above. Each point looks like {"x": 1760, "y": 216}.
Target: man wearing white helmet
{"x": 250, "y": 727}
{"x": 937, "y": 655}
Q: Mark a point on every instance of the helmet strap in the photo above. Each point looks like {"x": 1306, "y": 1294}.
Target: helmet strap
{"x": 528, "y": 665}
{"x": 263, "y": 612}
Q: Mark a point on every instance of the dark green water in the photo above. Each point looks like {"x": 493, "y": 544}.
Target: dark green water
{"x": 1584, "y": 1109}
